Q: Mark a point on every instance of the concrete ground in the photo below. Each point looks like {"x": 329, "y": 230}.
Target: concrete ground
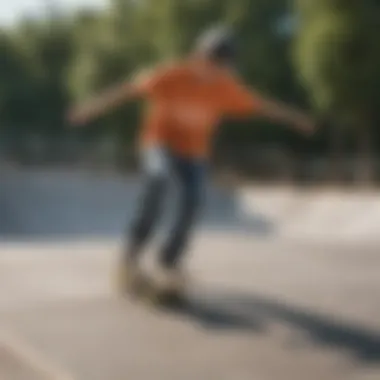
{"x": 260, "y": 309}
{"x": 284, "y": 287}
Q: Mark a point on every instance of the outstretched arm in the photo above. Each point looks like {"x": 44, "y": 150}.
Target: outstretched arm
{"x": 242, "y": 102}
{"x": 102, "y": 103}
{"x": 142, "y": 84}
{"x": 282, "y": 113}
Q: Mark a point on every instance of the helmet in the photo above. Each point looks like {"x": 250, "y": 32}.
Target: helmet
{"x": 217, "y": 44}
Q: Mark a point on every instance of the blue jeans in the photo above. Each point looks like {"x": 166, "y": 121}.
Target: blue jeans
{"x": 189, "y": 175}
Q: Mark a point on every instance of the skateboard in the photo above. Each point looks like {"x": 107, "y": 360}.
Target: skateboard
{"x": 152, "y": 295}
{"x": 146, "y": 291}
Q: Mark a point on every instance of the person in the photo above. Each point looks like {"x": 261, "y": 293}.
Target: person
{"x": 187, "y": 99}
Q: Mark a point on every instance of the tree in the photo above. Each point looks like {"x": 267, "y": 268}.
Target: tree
{"x": 338, "y": 55}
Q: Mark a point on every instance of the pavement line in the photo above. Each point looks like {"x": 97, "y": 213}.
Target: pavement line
{"x": 33, "y": 357}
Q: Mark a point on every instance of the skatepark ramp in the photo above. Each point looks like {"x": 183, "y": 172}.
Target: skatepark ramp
{"x": 43, "y": 204}
{"x": 317, "y": 214}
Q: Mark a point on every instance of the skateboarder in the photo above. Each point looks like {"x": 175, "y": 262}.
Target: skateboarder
{"x": 187, "y": 99}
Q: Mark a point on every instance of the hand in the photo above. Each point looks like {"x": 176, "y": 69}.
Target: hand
{"x": 305, "y": 125}
{"x": 79, "y": 116}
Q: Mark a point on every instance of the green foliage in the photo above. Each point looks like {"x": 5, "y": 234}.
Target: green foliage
{"x": 338, "y": 55}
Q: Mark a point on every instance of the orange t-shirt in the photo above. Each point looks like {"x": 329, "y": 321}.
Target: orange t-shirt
{"x": 186, "y": 104}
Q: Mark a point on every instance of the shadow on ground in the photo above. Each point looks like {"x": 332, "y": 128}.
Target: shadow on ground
{"x": 254, "y": 314}
{"x": 55, "y": 205}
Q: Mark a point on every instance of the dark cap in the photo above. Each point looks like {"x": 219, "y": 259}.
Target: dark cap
{"x": 217, "y": 44}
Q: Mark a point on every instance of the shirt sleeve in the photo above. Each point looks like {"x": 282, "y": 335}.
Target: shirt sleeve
{"x": 240, "y": 101}
{"x": 154, "y": 82}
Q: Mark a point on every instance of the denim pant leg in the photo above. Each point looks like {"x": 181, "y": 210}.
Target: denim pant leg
{"x": 190, "y": 175}
{"x": 150, "y": 202}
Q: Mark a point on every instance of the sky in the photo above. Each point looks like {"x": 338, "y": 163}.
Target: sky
{"x": 11, "y": 10}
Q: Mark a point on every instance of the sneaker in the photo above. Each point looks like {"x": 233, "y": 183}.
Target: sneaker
{"x": 169, "y": 284}
{"x": 130, "y": 279}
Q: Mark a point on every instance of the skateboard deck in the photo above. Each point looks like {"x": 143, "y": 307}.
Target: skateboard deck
{"x": 146, "y": 291}
{"x": 155, "y": 297}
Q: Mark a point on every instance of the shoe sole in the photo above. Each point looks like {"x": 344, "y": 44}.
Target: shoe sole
{"x": 155, "y": 297}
